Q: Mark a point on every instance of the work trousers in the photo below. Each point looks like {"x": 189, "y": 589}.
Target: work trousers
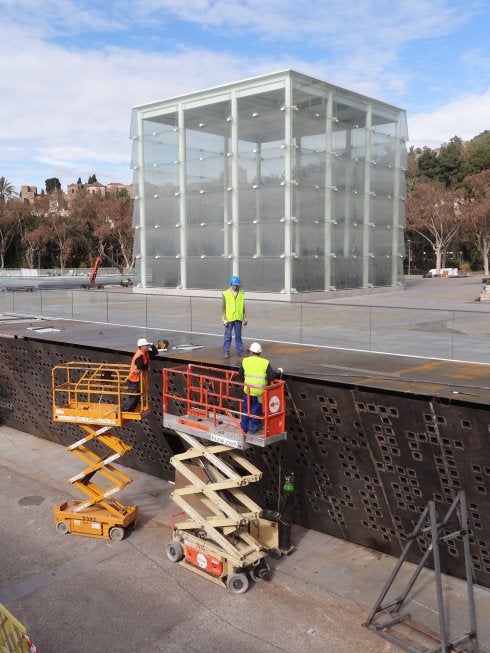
{"x": 132, "y": 400}
{"x": 235, "y": 326}
{"x": 251, "y": 406}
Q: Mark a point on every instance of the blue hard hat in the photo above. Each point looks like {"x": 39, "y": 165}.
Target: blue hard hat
{"x": 235, "y": 281}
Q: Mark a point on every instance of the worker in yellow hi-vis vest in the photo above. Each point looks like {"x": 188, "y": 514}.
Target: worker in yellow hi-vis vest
{"x": 255, "y": 372}
{"x": 233, "y": 316}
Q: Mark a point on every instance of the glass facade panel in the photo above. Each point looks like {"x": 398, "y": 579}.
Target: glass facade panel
{"x": 205, "y": 273}
{"x": 165, "y": 272}
{"x": 204, "y": 240}
{"x": 308, "y": 238}
{"x": 205, "y": 207}
{"x": 308, "y": 202}
{"x": 261, "y": 203}
{"x": 266, "y": 274}
{"x": 262, "y": 239}
{"x": 161, "y": 211}
{"x": 290, "y": 182}
{"x": 308, "y": 274}
{"x": 164, "y": 241}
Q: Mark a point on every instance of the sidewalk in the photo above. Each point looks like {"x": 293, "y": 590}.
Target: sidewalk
{"x": 80, "y": 594}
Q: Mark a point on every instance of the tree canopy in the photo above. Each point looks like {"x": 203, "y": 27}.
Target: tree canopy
{"x": 52, "y": 184}
{"x": 7, "y": 190}
{"x": 452, "y": 166}
{"x": 51, "y": 233}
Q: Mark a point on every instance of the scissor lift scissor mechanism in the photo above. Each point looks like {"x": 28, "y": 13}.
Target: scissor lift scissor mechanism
{"x": 92, "y": 395}
{"x": 220, "y": 533}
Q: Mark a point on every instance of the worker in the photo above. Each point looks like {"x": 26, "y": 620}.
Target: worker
{"x": 255, "y": 372}
{"x": 139, "y": 365}
{"x": 233, "y": 315}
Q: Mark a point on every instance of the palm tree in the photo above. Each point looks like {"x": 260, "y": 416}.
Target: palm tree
{"x": 7, "y": 190}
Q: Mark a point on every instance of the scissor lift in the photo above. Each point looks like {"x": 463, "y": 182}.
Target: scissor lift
{"x": 220, "y": 533}
{"x": 91, "y": 395}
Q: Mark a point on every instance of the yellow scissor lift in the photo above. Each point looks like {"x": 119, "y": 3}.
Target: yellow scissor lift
{"x": 91, "y": 395}
{"x": 220, "y": 533}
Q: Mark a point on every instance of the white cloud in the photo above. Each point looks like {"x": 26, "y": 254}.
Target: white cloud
{"x": 466, "y": 117}
{"x": 68, "y": 85}
{"x": 339, "y": 23}
{"x": 69, "y": 110}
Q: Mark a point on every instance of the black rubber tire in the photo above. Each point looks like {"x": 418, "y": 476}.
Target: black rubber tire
{"x": 62, "y": 527}
{"x": 237, "y": 583}
{"x": 116, "y": 533}
{"x": 261, "y": 572}
{"x": 174, "y": 551}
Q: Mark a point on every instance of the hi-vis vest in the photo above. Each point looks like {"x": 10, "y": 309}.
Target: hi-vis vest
{"x": 255, "y": 369}
{"x": 235, "y": 305}
{"x": 134, "y": 372}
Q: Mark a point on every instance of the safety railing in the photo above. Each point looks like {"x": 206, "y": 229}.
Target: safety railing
{"x": 215, "y": 399}
{"x": 13, "y": 634}
{"x": 431, "y": 332}
{"x": 94, "y": 392}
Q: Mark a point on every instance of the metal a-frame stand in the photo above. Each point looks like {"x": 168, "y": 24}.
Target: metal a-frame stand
{"x": 399, "y": 628}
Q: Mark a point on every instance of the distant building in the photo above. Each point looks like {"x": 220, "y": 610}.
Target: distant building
{"x": 293, "y": 184}
{"x": 28, "y": 194}
{"x": 95, "y": 189}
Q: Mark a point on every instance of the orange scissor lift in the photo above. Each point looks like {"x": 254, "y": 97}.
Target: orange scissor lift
{"x": 91, "y": 395}
{"x": 220, "y": 533}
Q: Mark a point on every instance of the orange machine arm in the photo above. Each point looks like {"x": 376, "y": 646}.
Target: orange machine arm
{"x": 98, "y": 262}
{"x": 95, "y": 267}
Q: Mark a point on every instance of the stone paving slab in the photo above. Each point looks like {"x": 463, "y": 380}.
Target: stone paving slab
{"x": 75, "y": 593}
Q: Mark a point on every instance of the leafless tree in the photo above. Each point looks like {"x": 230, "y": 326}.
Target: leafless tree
{"x": 434, "y": 212}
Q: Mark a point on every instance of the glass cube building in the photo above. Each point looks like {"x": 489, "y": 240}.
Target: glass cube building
{"x": 289, "y": 182}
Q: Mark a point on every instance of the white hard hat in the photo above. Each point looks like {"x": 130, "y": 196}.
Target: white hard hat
{"x": 255, "y": 348}
{"x": 143, "y": 341}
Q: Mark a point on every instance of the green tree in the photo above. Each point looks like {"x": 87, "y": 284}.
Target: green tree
{"x": 52, "y": 184}
{"x": 92, "y": 179}
{"x": 428, "y": 164}
{"x": 7, "y": 190}
{"x": 478, "y": 156}
{"x": 450, "y": 159}
{"x": 445, "y": 165}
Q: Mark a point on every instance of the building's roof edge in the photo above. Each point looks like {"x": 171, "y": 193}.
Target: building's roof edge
{"x": 290, "y": 71}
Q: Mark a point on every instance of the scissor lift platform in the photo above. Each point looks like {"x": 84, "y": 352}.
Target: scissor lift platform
{"x": 207, "y": 402}
{"x": 92, "y": 395}
{"x": 220, "y": 533}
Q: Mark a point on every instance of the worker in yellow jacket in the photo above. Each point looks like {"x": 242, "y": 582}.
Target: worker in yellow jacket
{"x": 255, "y": 372}
{"x": 233, "y": 316}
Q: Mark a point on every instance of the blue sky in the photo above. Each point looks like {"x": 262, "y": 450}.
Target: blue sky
{"x": 71, "y": 70}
